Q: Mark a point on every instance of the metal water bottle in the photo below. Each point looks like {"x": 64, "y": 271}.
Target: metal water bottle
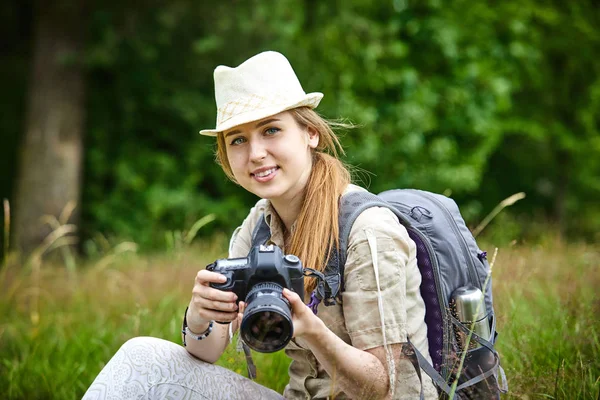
{"x": 468, "y": 305}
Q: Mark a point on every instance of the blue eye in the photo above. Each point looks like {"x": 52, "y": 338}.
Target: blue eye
{"x": 272, "y": 131}
{"x": 237, "y": 140}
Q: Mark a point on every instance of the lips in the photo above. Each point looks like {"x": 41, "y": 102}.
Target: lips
{"x": 264, "y": 174}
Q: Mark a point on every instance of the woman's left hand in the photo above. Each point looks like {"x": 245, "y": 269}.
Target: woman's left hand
{"x": 305, "y": 321}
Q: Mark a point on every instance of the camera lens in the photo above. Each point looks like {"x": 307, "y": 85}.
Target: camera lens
{"x": 267, "y": 322}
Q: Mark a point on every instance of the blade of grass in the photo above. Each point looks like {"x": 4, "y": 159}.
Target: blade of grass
{"x": 65, "y": 248}
{"x": 197, "y": 225}
{"x": 509, "y": 201}
{"x": 111, "y": 256}
{"x": 66, "y": 212}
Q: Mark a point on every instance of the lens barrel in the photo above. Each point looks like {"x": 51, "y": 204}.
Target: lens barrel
{"x": 267, "y": 322}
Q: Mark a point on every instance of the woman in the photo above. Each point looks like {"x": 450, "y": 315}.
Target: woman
{"x": 272, "y": 143}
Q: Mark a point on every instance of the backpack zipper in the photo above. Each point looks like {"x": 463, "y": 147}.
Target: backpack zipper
{"x": 463, "y": 244}
{"x": 430, "y": 250}
{"x": 442, "y": 302}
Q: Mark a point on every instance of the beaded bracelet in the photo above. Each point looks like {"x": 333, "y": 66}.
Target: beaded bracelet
{"x": 197, "y": 336}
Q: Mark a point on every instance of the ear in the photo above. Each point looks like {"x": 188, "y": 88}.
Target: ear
{"x": 313, "y": 137}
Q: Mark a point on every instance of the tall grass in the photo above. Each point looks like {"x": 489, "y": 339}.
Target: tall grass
{"x": 59, "y": 327}
{"x": 546, "y": 297}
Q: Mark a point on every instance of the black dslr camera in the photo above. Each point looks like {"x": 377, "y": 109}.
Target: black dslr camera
{"x": 260, "y": 279}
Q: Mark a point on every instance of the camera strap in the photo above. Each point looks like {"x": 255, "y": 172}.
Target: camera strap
{"x": 249, "y": 361}
{"x": 250, "y": 366}
{"x": 327, "y": 289}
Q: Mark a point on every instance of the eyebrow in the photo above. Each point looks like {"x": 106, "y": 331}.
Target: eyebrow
{"x": 261, "y": 123}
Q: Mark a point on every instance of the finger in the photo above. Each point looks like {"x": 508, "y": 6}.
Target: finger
{"x": 214, "y": 294}
{"x": 296, "y": 302}
{"x": 204, "y": 277}
{"x": 216, "y": 305}
{"x": 241, "y": 309}
{"x": 208, "y": 314}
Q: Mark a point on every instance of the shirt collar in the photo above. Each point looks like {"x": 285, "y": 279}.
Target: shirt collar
{"x": 276, "y": 225}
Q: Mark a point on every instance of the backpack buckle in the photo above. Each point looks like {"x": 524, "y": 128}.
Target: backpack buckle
{"x": 418, "y": 212}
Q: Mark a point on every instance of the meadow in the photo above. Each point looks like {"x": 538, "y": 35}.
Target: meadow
{"x": 62, "y": 320}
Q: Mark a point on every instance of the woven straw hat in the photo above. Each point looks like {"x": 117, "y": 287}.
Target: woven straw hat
{"x": 261, "y": 86}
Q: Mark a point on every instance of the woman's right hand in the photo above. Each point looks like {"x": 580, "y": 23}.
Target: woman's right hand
{"x": 210, "y": 304}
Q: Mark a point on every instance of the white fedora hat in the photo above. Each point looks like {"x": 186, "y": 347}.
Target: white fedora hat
{"x": 261, "y": 86}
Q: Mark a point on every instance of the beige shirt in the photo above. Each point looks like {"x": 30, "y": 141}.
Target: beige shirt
{"x": 357, "y": 320}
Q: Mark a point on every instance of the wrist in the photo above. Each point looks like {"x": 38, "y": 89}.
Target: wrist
{"x": 198, "y": 329}
{"x": 315, "y": 332}
{"x": 187, "y": 332}
{"x": 195, "y": 323}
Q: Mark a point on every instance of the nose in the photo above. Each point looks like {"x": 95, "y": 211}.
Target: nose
{"x": 258, "y": 151}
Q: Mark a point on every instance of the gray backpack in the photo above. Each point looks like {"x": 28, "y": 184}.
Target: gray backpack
{"x": 449, "y": 261}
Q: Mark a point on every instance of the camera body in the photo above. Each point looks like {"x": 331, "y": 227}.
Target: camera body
{"x": 259, "y": 280}
{"x": 263, "y": 264}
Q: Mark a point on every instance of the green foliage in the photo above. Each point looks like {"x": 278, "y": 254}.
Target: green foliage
{"x": 427, "y": 96}
{"x": 148, "y": 170}
{"x": 552, "y": 133}
{"x": 427, "y": 93}
{"x": 481, "y": 100}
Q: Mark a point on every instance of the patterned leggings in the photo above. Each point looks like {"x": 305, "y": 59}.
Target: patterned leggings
{"x": 147, "y": 368}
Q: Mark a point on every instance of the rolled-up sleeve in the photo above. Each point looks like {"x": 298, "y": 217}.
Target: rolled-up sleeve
{"x": 395, "y": 252}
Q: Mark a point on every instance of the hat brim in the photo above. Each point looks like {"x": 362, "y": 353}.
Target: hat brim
{"x": 311, "y": 100}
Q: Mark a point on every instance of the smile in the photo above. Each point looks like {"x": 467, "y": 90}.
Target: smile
{"x": 265, "y": 174}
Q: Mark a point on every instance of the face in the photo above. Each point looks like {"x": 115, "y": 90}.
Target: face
{"x": 271, "y": 157}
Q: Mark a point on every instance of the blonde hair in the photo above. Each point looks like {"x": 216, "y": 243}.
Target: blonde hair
{"x": 317, "y": 231}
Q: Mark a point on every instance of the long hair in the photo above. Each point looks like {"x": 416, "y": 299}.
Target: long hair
{"x": 317, "y": 230}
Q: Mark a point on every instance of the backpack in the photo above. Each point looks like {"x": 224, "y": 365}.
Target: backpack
{"x": 448, "y": 258}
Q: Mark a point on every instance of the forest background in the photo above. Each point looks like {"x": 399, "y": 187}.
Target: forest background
{"x": 102, "y": 102}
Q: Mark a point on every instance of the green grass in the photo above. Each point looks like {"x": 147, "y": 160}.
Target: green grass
{"x": 59, "y": 327}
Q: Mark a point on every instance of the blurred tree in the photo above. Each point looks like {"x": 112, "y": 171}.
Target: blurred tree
{"x": 480, "y": 99}
{"x": 431, "y": 85}
{"x": 51, "y": 152}
{"x": 151, "y": 91}
{"x": 428, "y": 83}
{"x": 552, "y": 147}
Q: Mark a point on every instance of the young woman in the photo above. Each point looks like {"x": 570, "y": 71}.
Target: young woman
{"x": 272, "y": 143}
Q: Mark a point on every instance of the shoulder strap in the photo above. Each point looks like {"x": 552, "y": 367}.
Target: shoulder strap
{"x": 351, "y": 206}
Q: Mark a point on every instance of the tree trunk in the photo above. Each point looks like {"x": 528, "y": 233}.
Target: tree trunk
{"x": 51, "y": 151}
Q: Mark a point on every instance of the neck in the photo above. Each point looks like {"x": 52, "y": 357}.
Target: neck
{"x": 288, "y": 210}
{"x": 289, "y": 205}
